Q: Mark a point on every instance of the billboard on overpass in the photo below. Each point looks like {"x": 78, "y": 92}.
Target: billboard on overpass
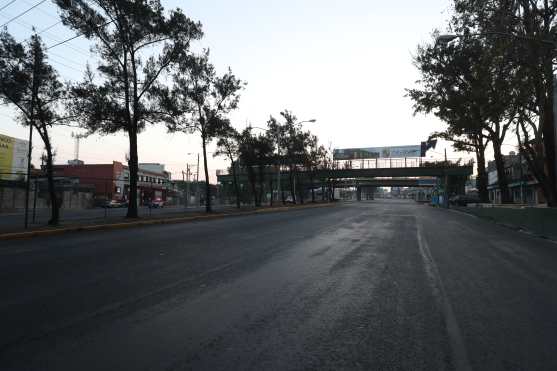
{"x": 378, "y": 152}
{"x": 13, "y": 157}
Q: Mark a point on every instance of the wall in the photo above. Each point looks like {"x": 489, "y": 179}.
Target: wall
{"x": 539, "y": 220}
{"x": 98, "y": 175}
{"x": 13, "y": 199}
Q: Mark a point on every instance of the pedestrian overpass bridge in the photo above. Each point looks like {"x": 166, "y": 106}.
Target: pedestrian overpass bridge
{"x": 401, "y": 172}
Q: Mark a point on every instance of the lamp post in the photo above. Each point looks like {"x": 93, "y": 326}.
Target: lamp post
{"x": 549, "y": 143}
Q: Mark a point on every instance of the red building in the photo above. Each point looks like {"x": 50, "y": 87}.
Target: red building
{"x": 112, "y": 181}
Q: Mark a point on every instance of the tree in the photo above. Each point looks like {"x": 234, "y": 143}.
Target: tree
{"x": 292, "y": 143}
{"x": 248, "y": 158}
{"x": 277, "y": 134}
{"x": 256, "y": 153}
{"x": 529, "y": 27}
{"x": 199, "y": 101}
{"x": 264, "y": 149}
{"x": 468, "y": 85}
{"x": 228, "y": 145}
{"x": 315, "y": 158}
{"x": 29, "y": 83}
{"x": 137, "y": 44}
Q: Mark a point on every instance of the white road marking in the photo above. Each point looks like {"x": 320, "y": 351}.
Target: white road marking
{"x": 460, "y": 355}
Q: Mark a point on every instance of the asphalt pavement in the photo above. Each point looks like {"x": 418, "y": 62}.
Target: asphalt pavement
{"x": 381, "y": 285}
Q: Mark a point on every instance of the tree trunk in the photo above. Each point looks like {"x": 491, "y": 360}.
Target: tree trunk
{"x": 271, "y": 190}
{"x": 482, "y": 180}
{"x": 54, "y": 206}
{"x": 291, "y": 178}
{"x": 235, "y": 179}
{"x": 208, "y": 208}
{"x": 133, "y": 165}
{"x": 312, "y": 190}
{"x": 502, "y": 180}
{"x": 300, "y": 187}
{"x": 253, "y": 181}
{"x": 261, "y": 184}
{"x": 548, "y": 129}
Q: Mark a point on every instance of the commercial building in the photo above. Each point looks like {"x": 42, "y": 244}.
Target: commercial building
{"x": 13, "y": 158}
{"x": 523, "y": 186}
{"x": 112, "y": 181}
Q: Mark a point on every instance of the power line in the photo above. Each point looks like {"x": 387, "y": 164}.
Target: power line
{"x": 48, "y": 35}
{"x": 43, "y": 11}
{"x": 66, "y": 59}
{"x": 7, "y": 5}
{"x": 65, "y": 41}
{"x": 65, "y": 65}
{"x": 22, "y": 13}
{"x": 76, "y": 36}
{"x": 49, "y": 27}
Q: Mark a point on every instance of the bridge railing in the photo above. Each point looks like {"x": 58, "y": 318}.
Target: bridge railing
{"x": 382, "y": 163}
{"x": 388, "y": 163}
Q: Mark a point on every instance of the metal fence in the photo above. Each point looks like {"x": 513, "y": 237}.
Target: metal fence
{"x": 387, "y": 163}
{"x": 85, "y": 199}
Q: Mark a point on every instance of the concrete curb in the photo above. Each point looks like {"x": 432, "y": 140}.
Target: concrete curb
{"x": 141, "y": 223}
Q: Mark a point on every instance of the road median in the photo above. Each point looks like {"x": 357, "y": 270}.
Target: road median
{"x": 51, "y": 231}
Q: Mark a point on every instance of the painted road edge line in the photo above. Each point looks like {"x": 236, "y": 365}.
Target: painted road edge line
{"x": 458, "y": 348}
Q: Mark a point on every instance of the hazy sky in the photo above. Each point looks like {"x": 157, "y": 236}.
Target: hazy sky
{"x": 344, "y": 63}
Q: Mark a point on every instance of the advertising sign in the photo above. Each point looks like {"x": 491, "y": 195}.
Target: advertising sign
{"x": 13, "y": 157}
{"x": 377, "y": 152}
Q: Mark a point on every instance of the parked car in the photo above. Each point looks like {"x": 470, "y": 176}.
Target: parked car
{"x": 101, "y": 202}
{"x": 117, "y": 204}
{"x": 156, "y": 203}
{"x": 464, "y": 200}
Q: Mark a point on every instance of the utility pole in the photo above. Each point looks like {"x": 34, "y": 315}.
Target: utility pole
{"x": 34, "y": 93}
{"x": 185, "y": 196}
{"x": 446, "y": 197}
{"x": 197, "y": 199}
{"x": 521, "y": 177}
{"x": 188, "y": 173}
{"x": 279, "y": 189}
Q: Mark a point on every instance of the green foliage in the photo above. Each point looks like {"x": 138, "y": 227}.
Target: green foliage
{"x": 200, "y": 100}
{"x": 256, "y": 154}
{"x": 29, "y": 83}
{"x": 137, "y": 43}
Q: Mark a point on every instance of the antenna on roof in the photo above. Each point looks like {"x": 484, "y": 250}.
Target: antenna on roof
{"x": 77, "y": 139}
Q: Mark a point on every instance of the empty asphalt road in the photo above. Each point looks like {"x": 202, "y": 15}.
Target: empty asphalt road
{"x": 382, "y": 285}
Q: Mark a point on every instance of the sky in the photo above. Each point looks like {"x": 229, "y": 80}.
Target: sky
{"x": 345, "y": 64}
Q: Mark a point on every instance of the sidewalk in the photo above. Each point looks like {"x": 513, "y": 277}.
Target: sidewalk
{"x": 541, "y": 221}
{"x": 121, "y": 223}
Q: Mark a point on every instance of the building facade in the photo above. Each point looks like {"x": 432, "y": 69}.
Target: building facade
{"x": 112, "y": 181}
{"x": 523, "y": 186}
